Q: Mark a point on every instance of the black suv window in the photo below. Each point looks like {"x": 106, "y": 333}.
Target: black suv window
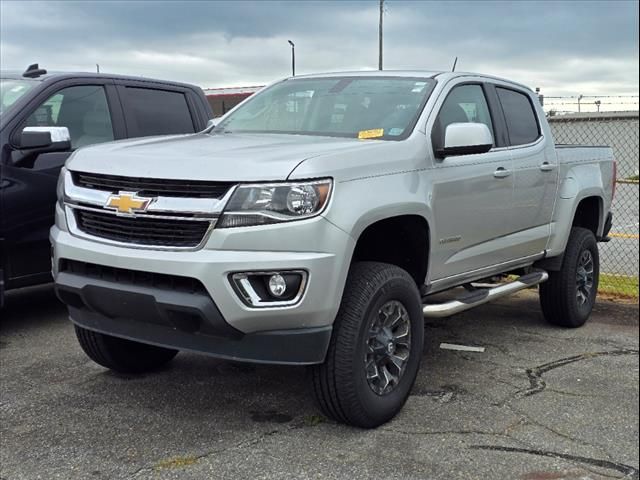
{"x": 82, "y": 109}
{"x": 465, "y": 103}
{"x": 522, "y": 124}
{"x": 158, "y": 112}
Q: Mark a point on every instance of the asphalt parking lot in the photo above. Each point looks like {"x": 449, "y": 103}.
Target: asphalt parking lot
{"x": 539, "y": 403}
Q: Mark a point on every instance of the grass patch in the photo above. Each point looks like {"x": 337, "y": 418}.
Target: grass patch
{"x": 177, "y": 462}
{"x": 618, "y": 285}
{"x": 313, "y": 420}
{"x": 633, "y": 178}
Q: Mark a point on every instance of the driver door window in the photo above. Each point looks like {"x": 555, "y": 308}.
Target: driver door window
{"x": 82, "y": 109}
{"x": 464, "y": 104}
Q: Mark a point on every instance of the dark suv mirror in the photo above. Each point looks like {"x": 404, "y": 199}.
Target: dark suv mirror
{"x": 45, "y": 139}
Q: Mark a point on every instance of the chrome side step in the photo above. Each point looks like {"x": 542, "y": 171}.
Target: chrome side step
{"x": 473, "y": 299}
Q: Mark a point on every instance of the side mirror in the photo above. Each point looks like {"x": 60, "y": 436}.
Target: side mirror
{"x": 466, "y": 139}
{"x": 45, "y": 139}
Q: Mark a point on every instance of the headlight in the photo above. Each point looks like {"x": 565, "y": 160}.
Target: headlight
{"x": 60, "y": 187}
{"x": 275, "y": 203}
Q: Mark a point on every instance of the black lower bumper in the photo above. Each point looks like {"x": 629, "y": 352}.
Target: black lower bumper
{"x": 181, "y": 320}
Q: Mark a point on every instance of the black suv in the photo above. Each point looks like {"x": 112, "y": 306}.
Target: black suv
{"x": 44, "y": 117}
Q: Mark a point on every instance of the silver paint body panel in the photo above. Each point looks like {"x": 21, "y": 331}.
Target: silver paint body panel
{"x": 490, "y": 223}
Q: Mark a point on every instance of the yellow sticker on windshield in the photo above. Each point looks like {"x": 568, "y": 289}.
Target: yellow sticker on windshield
{"x": 375, "y": 133}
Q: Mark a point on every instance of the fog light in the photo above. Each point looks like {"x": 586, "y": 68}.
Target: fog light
{"x": 262, "y": 289}
{"x": 277, "y": 285}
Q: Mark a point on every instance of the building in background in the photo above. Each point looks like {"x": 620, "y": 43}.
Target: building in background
{"x": 619, "y": 130}
{"x": 224, "y": 99}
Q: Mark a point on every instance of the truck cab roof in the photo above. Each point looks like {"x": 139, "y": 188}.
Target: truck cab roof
{"x": 58, "y": 75}
{"x": 435, "y": 74}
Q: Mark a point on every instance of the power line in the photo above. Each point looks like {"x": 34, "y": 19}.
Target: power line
{"x": 583, "y": 103}
{"x": 594, "y": 96}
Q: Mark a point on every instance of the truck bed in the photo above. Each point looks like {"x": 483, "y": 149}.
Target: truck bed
{"x": 583, "y": 153}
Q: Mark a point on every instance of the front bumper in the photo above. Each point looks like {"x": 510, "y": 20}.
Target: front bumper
{"x": 304, "y": 346}
{"x": 181, "y": 319}
{"x": 214, "y": 320}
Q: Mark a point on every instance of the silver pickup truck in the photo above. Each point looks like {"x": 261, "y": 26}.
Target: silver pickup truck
{"x": 313, "y": 223}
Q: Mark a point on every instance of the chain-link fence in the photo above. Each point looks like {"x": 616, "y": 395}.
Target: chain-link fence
{"x": 619, "y": 257}
{"x": 590, "y": 103}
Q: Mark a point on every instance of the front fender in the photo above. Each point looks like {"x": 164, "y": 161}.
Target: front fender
{"x": 362, "y": 202}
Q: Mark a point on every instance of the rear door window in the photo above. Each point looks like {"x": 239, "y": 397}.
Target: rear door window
{"x": 522, "y": 123}
{"x": 157, "y": 112}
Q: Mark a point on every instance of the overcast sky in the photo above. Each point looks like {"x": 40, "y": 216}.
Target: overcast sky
{"x": 566, "y": 48}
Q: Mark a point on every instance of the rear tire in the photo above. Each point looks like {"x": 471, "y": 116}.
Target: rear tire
{"x": 120, "y": 355}
{"x": 375, "y": 349}
{"x": 569, "y": 295}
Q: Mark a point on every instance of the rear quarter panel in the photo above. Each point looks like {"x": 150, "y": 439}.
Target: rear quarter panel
{"x": 584, "y": 172}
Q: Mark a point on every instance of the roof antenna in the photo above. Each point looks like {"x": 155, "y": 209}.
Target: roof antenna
{"x": 453, "y": 69}
{"x": 33, "y": 71}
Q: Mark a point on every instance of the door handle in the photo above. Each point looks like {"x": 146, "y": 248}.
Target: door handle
{"x": 501, "y": 173}
{"x": 547, "y": 167}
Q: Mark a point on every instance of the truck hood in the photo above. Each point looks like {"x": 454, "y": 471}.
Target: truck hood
{"x": 223, "y": 157}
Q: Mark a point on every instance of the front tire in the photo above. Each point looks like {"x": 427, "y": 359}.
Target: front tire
{"x": 375, "y": 349}
{"x": 569, "y": 295}
{"x": 120, "y": 355}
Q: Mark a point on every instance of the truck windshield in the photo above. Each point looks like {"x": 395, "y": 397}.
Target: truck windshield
{"x": 11, "y": 90}
{"x": 384, "y": 108}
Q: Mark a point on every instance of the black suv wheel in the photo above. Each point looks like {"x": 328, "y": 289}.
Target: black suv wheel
{"x": 124, "y": 356}
{"x": 567, "y": 298}
{"x": 375, "y": 349}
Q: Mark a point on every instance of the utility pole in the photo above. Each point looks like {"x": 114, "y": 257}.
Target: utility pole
{"x": 380, "y": 36}
{"x": 97, "y": 67}
{"x": 579, "y": 98}
{"x": 540, "y": 96}
{"x": 293, "y": 58}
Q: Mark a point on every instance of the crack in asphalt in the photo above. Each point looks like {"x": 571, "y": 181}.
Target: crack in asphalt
{"x": 572, "y": 394}
{"x": 506, "y": 432}
{"x": 537, "y": 383}
{"x": 444, "y": 432}
{"x": 627, "y": 470}
{"x": 528, "y": 420}
{"x": 446, "y": 394}
{"x": 243, "y": 444}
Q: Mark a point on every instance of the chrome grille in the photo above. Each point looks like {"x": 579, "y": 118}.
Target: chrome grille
{"x": 179, "y": 215}
{"x": 152, "y": 187}
{"x": 142, "y": 230}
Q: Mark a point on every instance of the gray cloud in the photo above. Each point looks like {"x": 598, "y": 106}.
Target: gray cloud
{"x": 564, "y": 47}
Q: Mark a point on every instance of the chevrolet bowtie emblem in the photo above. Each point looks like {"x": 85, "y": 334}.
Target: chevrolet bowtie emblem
{"x": 127, "y": 202}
